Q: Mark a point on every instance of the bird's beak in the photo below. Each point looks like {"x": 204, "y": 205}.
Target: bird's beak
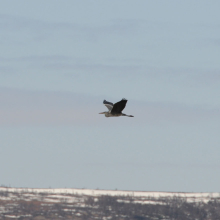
{"x": 102, "y": 113}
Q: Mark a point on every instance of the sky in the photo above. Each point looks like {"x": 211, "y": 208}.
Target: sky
{"x": 60, "y": 59}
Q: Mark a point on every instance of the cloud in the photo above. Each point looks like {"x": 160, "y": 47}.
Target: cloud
{"x": 32, "y": 58}
{"x": 73, "y": 64}
{"x": 181, "y": 111}
{"x": 21, "y": 107}
{"x": 15, "y": 64}
{"x": 63, "y": 66}
{"x": 158, "y": 113}
{"x": 42, "y": 30}
{"x": 94, "y": 68}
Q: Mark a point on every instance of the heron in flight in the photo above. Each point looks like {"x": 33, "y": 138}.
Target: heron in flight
{"x": 116, "y": 109}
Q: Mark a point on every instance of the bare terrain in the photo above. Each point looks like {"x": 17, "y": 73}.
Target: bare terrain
{"x": 83, "y": 204}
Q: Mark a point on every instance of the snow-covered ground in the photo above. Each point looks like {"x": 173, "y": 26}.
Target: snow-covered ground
{"x": 73, "y": 195}
{"x": 30, "y": 203}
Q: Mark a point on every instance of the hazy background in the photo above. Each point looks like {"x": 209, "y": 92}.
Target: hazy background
{"x": 60, "y": 59}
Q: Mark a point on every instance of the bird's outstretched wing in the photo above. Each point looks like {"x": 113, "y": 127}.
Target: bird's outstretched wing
{"x": 119, "y": 106}
{"x": 109, "y": 105}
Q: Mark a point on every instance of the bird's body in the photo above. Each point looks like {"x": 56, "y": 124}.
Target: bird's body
{"x": 116, "y": 109}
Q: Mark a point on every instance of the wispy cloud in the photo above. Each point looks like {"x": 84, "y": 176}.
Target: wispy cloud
{"x": 35, "y": 58}
{"x": 59, "y": 63}
{"x": 44, "y": 29}
{"x": 20, "y": 107}
{"x": 166, "y": 113}
{"x": 133, "y": 69}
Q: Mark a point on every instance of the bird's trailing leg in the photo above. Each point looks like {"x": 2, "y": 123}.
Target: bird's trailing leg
{"x": 127, "y": 115}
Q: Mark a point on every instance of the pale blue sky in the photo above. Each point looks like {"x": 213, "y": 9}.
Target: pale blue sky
{"x": 60, "y": 59}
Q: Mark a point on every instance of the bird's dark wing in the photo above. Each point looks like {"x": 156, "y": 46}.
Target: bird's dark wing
{"x": 119, "y": 106}
{"x": 109, "y": 105}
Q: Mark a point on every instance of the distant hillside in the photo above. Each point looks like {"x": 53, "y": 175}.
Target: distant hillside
{"x": 83, "y": 204}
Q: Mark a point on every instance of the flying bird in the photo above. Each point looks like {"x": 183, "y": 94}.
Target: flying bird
{"x": 115, "y": 110}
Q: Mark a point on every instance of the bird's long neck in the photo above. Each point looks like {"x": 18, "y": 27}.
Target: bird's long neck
{"x": 107, "y": 114}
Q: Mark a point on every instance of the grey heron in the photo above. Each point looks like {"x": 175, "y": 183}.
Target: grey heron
{"x": 115, "y": 110}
